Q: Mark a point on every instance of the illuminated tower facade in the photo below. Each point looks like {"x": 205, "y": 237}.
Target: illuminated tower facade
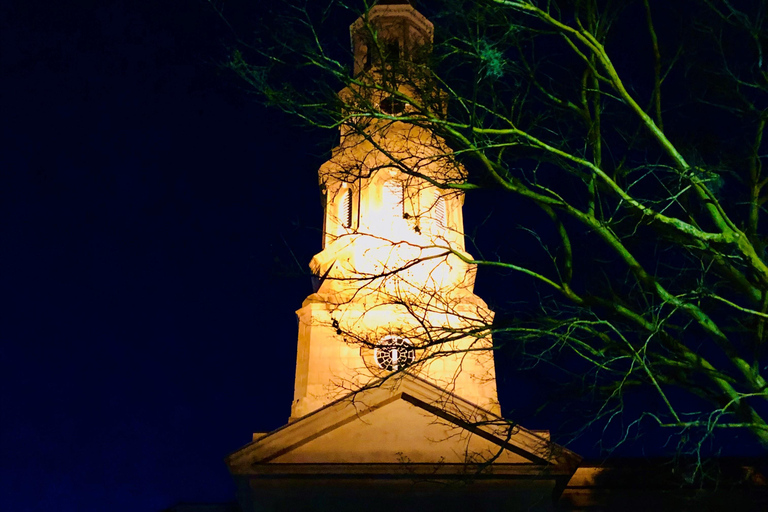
{"x": 393, "y": 288}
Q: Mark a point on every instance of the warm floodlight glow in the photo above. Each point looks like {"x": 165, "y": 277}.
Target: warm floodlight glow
{"x": 395, "y": 290}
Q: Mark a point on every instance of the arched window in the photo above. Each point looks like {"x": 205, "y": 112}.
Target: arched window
{"x": 345, "y": 208}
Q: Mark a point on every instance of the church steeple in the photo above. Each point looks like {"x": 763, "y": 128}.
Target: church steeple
{"x": 392, "y": 290}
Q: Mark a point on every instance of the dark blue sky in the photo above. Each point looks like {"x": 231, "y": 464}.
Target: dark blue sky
{"x": 149, "y": 209}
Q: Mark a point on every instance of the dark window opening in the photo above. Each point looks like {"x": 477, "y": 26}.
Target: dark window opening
{"x": 392, "y": 105}
{"x": 392, "y": 52}
{"x": 368, "y": 58}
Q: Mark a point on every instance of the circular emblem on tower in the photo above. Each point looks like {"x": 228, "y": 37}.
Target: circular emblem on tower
{"x": 394, "y": 353}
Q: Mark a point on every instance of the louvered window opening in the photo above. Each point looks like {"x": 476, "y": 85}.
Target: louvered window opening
{"x": 393, "y": 197}
{"x": 439, "y": 209}
{"x": 345, "y": 209}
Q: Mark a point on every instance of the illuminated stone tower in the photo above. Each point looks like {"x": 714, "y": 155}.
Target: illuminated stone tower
{"x": 395, "y": 395}
{"x": 393, "y": 290}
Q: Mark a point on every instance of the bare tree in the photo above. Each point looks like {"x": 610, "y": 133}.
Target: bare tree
{"x": 634, "y": 129}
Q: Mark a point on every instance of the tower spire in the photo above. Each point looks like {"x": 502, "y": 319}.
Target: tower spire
{"x": 395, "y": 294}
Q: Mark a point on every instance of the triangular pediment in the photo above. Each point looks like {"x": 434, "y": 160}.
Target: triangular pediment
{"x": 397, "y": 431}
{"x": 404, "y": 420}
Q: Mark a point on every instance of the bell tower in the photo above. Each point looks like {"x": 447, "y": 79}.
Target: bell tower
{"x": 395, "y": 404}
{"x": 393, "y": 291}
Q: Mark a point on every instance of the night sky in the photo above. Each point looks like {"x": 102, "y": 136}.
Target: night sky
{"x": 155, "y": 228}
{"x": 156, "y": 223}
